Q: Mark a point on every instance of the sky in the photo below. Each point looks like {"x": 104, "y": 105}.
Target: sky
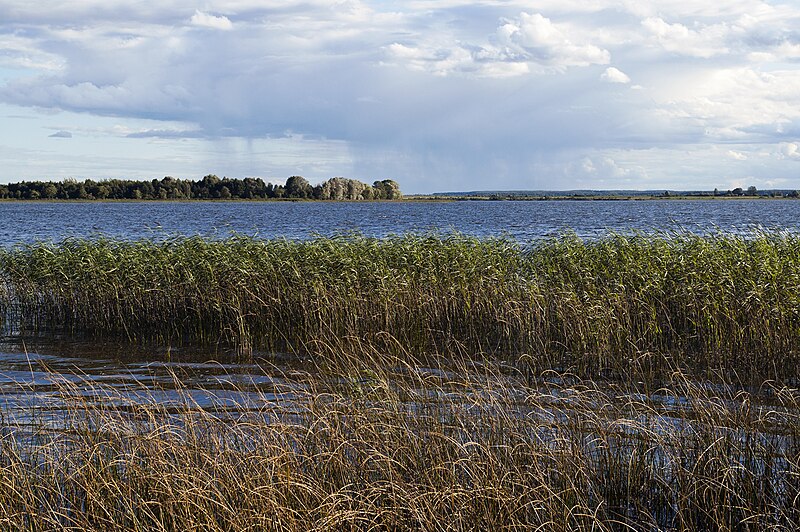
{"x": 442, "y": 95}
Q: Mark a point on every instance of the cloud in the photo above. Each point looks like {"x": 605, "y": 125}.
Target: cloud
{"x": 476, "y": 62}
{"x": 613, "y": 75}
{"x": 737, "y": 155}
{"x": 61, "y": 135}
{"x": 720, "y": 104}
{"x": 534, "y": 37}
{"x": 519, "y": 46}
{"x": 763, "y": 35}
{"x": 19, "y": 51}
{"x": 205, "y": 20}
{"x": 604, "y": 169}
{"x": 789, "y": 150}
{"x": 707, "y": 41}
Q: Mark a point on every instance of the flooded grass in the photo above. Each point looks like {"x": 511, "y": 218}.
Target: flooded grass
{"x": 370, "y": 442}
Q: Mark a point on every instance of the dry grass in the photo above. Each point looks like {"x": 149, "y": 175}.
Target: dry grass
{"x": 371, "y": 443}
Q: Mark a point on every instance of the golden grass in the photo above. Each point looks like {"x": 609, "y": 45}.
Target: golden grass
{"x": 371, "y": 442}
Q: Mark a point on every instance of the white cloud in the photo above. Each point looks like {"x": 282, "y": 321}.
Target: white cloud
{"x": 707, "y": 41}
{"x": 789, "y": 150}
{"x": 614, "y": 75}
{"x": 519, "y": 46}
{"x": 764, "y": 34}
{"x": 536, "y": 38}
{"x": 731, "y": 103}
{"x": 737, "y": 155}
{"x": 23, "y": 52}
{"x": 457, "y": 59}
{"x": 205, "y": 20}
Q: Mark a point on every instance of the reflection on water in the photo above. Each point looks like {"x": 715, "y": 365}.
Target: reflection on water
{"x": 43, "y": 383}
{"x": 43, "y": 386}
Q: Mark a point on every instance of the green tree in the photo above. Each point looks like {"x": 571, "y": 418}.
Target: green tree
{"x": 298, "y": 187}
{"x": 387, "y": 189}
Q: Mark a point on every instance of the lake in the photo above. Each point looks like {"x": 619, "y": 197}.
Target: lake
{"x": 25, "y": 222}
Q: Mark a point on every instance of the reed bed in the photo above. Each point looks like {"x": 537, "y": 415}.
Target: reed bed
{"x": 708, "y": 303}
{"x": 371, "y": 442}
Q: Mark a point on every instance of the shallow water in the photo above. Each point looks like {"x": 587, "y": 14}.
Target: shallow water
{"x": 42, "y": 384}
{"x": 46, "y": 379}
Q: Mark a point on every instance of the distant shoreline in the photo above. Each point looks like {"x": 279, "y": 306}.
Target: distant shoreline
{"x": 594, "y": 198}
{"x": 409, "y": 199}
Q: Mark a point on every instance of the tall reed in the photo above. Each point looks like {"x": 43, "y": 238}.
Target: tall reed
{"x": 719, "y": 302}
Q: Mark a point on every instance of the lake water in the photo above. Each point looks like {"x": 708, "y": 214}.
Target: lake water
{"x": 41, "y": 382}
{"x": 26, "y": 222}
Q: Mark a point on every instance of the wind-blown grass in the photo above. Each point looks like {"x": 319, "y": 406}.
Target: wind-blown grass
{"x": 372, "y": 443}
{"x": 720, "y": 302}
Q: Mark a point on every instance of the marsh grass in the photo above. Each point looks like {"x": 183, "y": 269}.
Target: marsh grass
{"x": 369, "y": 441}
{"x": 713, "y": 303}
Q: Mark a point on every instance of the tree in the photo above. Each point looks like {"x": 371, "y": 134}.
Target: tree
{"x": 334, "y": 189}
{"x": 355, "y": 189}
{"x": 387, "y": 189}
{"x": 298, "y": 187}
{"x": 208, "y": 187}
{"x": 752, "y": 191}
{"x": 211, "y": 186}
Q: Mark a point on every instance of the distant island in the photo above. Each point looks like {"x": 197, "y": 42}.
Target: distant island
{"x": 210, "y": 187}
{"x": 588, "y": 194}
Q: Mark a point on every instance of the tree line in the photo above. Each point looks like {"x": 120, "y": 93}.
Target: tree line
{"x": 209, "y": 187}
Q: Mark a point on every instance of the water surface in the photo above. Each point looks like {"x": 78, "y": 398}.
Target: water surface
{"x": 25, "y": 222}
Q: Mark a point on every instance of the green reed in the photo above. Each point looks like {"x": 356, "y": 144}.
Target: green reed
{"x": 719, "y": 302}
{"x": 368, "y": 442}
